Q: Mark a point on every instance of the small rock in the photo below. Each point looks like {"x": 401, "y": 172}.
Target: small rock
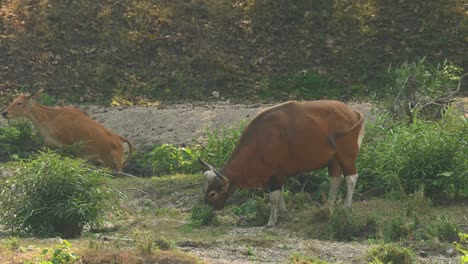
{"x": 423, "y": 254}
{"x": 215, "y": 94}
{"x": 450, "y": 252}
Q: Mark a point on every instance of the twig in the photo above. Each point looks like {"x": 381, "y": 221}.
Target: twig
{"x": 145, "y": 193}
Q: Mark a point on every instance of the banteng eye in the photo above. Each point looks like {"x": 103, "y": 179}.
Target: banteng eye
{"x": 212, "y": 194}
{"x": 19, "y": 103}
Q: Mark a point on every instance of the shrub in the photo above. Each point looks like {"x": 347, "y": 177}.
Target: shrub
{"x": 220, "y": 144}
{"x": 404, "y": 158}
{"x": 61, "y": 253}
{"x": 203, "y": 215}
{"x": 462, "y": 246}
{"x": 52, "y": 195}
{"x": 255, "y": 211}
{"x": 443, "y": 229}
{"x": 390, "y": 253}
{"x": 18, "y": 140}
{"x": 169, "y": 159}
{"x": 413, "y": 86}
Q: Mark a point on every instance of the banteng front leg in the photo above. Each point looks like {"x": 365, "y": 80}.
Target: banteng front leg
{"x": 275, "y": 198}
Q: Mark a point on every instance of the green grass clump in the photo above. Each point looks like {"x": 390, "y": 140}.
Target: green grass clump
{"x": 390, "y": 253}
{"x": 52, "y": 195}
{"x": 255, "y": 211}
{"x": 203, "y": 215}
{"x": 168, "y": 159}
{"x": 400, "y": 158}
{"x": 18, "y": 140}
{"x": 343, "y": 226}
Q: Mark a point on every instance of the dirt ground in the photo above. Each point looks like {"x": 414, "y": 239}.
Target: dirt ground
{"x": 179, "y": 124}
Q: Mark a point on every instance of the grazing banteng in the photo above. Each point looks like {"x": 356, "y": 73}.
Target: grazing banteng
{"x": 287, "y": 139}
{"x": 64, "y": 126}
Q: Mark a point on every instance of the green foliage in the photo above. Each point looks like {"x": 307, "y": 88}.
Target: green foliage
{"x": 144, "y": 242}
{"x": 462, "y": 246}
{"x": 255, "y": 211}
{"x": 401, "y": 158}
{"x": 412, "y": 86}
{"x": 344, "y": 227}
{"x": 390, "y": 253}
{"x": 52, "y": 195}
{"x": 165, "y": 244}
{"x": 18, "y": 140}
{"x": 13, "y": 243}
{"x": 168, "y": 159}
{"x": 220, "y": 144}
{"x": 444, "y": 229}
{"x": 61, "y": 254}
{"x": 203, "y": 215}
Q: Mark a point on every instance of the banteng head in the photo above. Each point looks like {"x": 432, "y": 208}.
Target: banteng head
{"x": 21, "y": 106}
{"x": 215, "y": 187}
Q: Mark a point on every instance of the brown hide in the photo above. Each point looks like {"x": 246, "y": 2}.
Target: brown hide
{"x": 293, "y": 137}
{"x": 64, "y": 126}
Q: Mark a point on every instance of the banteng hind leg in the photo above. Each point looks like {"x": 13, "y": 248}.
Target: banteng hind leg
{"x": 281, "y": 206}
{"x": 336, "y": 176}
{"x": 347, "y": 158}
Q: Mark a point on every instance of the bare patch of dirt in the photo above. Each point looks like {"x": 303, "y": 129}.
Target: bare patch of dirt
{"x": 181, "y": 124}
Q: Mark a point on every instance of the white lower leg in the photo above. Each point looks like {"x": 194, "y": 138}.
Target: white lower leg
{"x": 275, "y": 197}
{"x": 351, "y": 184}
{"x": 334, "y": 185}
{"x": 281, "y": 205}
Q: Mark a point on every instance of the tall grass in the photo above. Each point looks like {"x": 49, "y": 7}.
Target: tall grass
{"x": 401, "y": 158}
{"x": 51, "y": 195}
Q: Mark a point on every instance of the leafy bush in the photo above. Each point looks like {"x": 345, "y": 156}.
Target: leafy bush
{"x": 203, "y": 215}
{"x": 401, "y": 158}
{"x": 169, "y": 159}
{"x": 220, "y": 144}
{"x": 255, "y": 211}
{"x": 462, "y": 246}
{"x": 414, "y": 86}
{"x": 18, "y": 140}
{"x": 61, "y": 253}
{"x": 52, "y": 195}
{"x": 390, "y": 253}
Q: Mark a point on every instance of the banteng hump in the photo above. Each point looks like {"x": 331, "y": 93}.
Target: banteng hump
{"x": 64, "y": 126}
{"x": 287, "y": 139}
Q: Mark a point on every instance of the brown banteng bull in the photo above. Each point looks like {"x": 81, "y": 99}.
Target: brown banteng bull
{"x": 287, "y": 139}
{"x": 64, "y": 126}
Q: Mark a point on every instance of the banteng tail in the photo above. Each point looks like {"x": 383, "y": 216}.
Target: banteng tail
{"x": 125, "y": 140}
{"x": 333, "y": 136}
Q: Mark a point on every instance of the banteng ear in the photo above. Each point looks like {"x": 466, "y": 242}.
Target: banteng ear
{"x": 37, "y": 94}
{"x": 205, "y": 164}
{"x": 223, "y": 178}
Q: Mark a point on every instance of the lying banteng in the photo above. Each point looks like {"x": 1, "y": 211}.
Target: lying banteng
{"x": 65, "y": 126}
{"x": 287, "y": 139}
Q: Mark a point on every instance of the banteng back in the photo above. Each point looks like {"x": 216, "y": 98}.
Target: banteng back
{"x": 64, "y": 126}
